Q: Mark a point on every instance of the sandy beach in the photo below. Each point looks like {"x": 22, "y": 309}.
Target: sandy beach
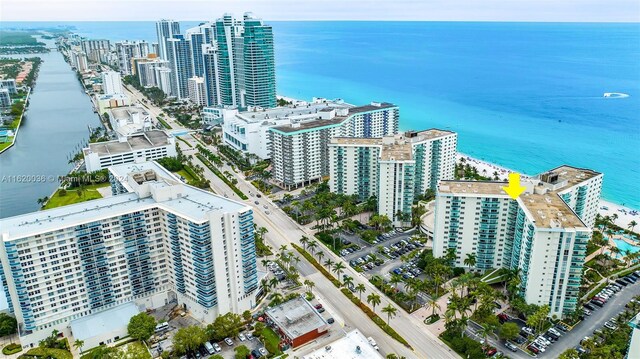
{"x": 624, "y": 215}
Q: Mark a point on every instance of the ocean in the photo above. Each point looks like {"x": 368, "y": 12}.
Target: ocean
{"x": 527, "y": 96}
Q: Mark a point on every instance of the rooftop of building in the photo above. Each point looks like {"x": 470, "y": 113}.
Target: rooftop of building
{"x": 430, "y": 134}
{"x": 112, "y": 96}
{"x": 337, "y": 119}
{"x": 296, "y": 317}
{"x": 550, "y": 211}
{"x": 354, "y": 345}
{"x": 138, "y": 141}
{"x": 187, "y": 201}
{"x": 300, "y": 109}
{"x": 103, "y": 322}
{"x": 397, "y": 151}
{"x": 572, "y": 176}
{"x": 546, "y": 208}
{"x": 472, "y": 187}
{"x": 125, "y": 112}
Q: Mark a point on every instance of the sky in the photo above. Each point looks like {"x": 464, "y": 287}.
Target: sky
{"x": 424, "y": 10}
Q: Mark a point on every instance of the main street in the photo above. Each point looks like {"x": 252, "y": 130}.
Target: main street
{"x": 284, "y": 231}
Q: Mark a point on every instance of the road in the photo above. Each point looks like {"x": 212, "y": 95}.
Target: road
{"x": 284, "y": 231}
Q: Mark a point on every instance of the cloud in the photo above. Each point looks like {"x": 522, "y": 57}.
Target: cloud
{"x": 443, "y": 10}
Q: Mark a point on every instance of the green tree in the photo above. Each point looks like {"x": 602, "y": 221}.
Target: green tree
{"x": 338, "y": 268}
{"x": 224, "y": 326}
{"x": 141, "y": 326}
{"x": 374, "y": 300}
{"x": 8, "y": 324}
{"x": 470, "y": 261}
{"x": 246, "y": 315}
{"x": 391, "y": 312}
{"x": 189, "y": 339}
{"x": 78, "y": 344}
{"x": 569, "y": 354}
{"x": 360, "y": 288}
{"x": 242, "y": 352}
{"x": 509, "y": 331}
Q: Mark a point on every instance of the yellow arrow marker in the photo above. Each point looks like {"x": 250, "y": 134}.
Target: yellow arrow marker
{"x": 514, "y": 189}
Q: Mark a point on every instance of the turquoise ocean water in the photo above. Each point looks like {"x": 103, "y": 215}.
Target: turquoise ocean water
{"x": 528, "y": 96}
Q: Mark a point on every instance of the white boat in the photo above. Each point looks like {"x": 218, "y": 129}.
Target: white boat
{"x": 615, "y": 95}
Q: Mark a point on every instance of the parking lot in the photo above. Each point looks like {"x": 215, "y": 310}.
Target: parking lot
{"x": 571, "y": 338}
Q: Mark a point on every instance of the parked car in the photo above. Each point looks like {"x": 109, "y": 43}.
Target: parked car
{"x": 597, "y": 303}
{"x": 318, "y": 306}
{"x": 622, "y": 282}
{"x": 533, "y": 348}
{"x": 511, "y": 346}
{"x": 228, "y": 341}
{"x": 217, "y": 347}
{"x": 586, "y": 311}
{"x": 330, "y": 320}
{"x": 589, "y": 306}
{"x": 321, "y": 310}
{"x": 241, "y": 337}
{"x": 562, "y": 327}
{"x": 520, "y": 339}
{"x": 610, "y": 325}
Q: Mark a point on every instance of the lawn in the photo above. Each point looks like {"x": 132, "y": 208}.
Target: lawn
{"x": 494, "y": 276}
{"x": 271, "y": 341}
{"x": 6, "y": 144}
{"x": 88, "y": 193}
{"x": 189, "y": 178}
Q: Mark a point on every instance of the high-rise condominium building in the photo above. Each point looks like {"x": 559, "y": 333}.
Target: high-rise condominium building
{"x": 156, "y": 241}
{"x": 394, "y": 169}
{"x": 196, "y": 91}
{"x": 539, "y": 234}
{"x": 111, "y": 83}
{"x": 96, "y": 50}
{"x": 128, "y": 50}
{"x": 178, "y": 55}
{"x": 300, "y": 152}
{"x": 165, "y": 29}
{"x": 239, "y": 67}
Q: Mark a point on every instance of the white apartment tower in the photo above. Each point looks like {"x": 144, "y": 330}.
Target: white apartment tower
{"x": 152, "y": 243}
{"x": 394, "y": 169}
{"x": 197, "y": 93}
{"x": 299, "y": 150}
{"x": 111, "y": 83}
{"x": 539, "y": 233}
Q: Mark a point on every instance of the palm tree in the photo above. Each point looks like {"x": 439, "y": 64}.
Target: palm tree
{"x": 433, "y": 304}
{"x": 320, "y": 255}
{"x": 395, "y": 279}
{"x": 486, "y": 331}
{"x": 304, "y": 240}
{"x": 391, "y": 312}
{"x": 312, "y": 246}
{"x": 470, "y": 261}
{"x": 632, "y": 225}
{"x": 328, "y": 263}
{"x": 348, "y": 281}
{"x": 374, "y": 300}
{"x": 360, "y": 288}
{"x": 78, "y": 344}
{"x": 276, "y": 298}
{"x": 338, "y": 268}
{"x": 273, "y": 282}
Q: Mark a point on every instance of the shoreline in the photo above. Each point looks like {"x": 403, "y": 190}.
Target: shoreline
{"x": 624, "y": 217}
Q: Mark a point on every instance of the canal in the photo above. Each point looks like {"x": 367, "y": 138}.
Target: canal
{"x": 57, "y": 121}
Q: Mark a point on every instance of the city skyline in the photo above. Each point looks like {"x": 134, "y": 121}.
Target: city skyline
{"x": 284, "y": 10}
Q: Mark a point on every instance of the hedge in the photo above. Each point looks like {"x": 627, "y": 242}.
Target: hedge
{"x": 224, "y": 179}
{"x": 365, "y": 308}
{"x": 11, "y": 349}
{"x": 48, "y": 353}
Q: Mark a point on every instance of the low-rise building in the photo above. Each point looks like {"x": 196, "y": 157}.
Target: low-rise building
{"x": 104, "y": 328}
{"x": 106, "y": 102}
{"x": 299, "y": 150}
{"x": 148, "y": 145}
{"x": 211, "y": 116}
{"x": 297, "y": 321}
{"x": 354, "y": 345}
{"x": 395, "y": 169}
{"x": 128, "y": 120}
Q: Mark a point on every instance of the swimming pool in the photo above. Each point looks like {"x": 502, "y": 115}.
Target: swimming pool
{"x": 625, "y": 247}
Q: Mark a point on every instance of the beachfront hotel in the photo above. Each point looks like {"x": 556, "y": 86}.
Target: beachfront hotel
{"x": 248, "y": 131}
{"x": 395, "y": 169}
{"x": 299, "y": 150}
{"x": 150, "y": 244}
{"x": 543, "y": 233}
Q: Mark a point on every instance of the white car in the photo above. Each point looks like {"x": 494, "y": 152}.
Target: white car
{"x": 552, "y": 330}
{"x": 242, "y": 337}
{"x": 373, "y": 343}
